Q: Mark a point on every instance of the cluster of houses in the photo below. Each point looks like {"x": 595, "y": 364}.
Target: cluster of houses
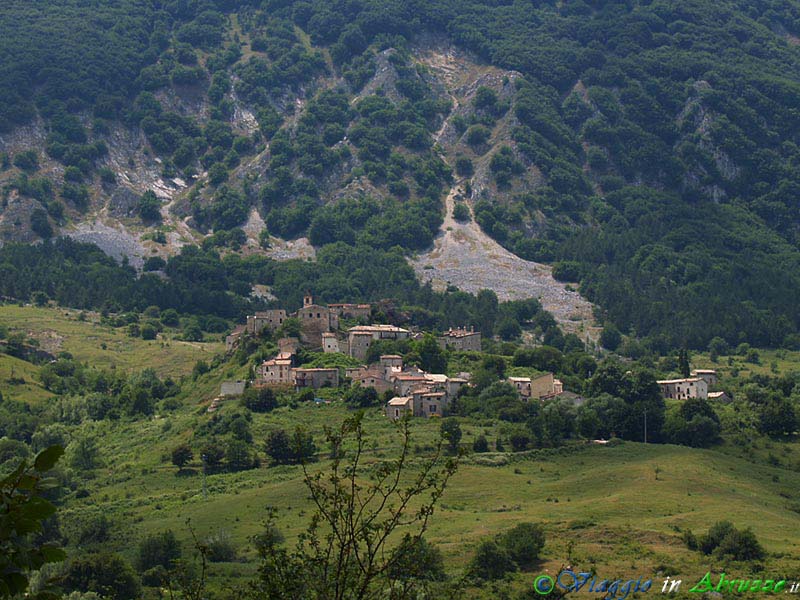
{"x": 697, "y": 385}
{"x": 319, "y": 328}
{"x": 413, "y": 391}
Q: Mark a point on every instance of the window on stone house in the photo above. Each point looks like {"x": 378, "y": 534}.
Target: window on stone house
{"x": 396, "y": 412}
{"x": 433, "y": 408}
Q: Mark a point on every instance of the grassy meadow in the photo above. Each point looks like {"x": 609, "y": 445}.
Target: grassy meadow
{"x": 620, "y": 510}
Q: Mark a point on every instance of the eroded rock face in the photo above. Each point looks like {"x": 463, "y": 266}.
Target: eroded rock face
{"x": 463, "y": 255}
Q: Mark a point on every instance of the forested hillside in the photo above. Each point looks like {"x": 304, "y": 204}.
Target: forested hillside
{"x": 649, "y": 150}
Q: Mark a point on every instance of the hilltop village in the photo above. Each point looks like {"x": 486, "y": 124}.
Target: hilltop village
{"x": 409, "y": 389}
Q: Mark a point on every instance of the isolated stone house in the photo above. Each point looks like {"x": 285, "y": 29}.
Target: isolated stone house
{"x": 707, "y": 375}
{"x": 682, "y": 389}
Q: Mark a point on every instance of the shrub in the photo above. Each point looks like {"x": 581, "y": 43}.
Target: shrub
{"x": 97, "y": 530}
{"x": 40, "y": 223}
{"x": 220, "y": 547}
{"x": 259, "y": 400}
{"x": 477, "y": 135}
{"x": 182, "y": 455}
{"x": 480, "y": 444}
{"x": 524, "y": 543}
{"x": 106, "y": 574}
{"x": 725, "y": 541}
{"x": 27, "y": 160}
{"x": 415, "y": 558}
{"x": 464, "y": 166}
{"x": 149, "y": 207}
{"x": 461, "y": 212}
{"x": 160, "y": 549}
{"x": 154, "y": 263}
{"x": 491, "y": 561}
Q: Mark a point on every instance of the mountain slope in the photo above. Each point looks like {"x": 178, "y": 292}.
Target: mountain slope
{"x": 648, "y": 149}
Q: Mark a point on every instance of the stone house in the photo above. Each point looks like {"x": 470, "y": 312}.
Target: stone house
{"x": 361, "y": 336}
{"x": 719, "y": 396}
{"x": 392, "y": 364}
{"x": 682, "y": 389}
{"x": 315, "y": 378}
{"x": 372, "y": 376}
{"x": 544, "y": 386}
{"x": 399, "y": 406}
{"x": 461, "y": 339}
{"x": 351, "y": 311}
{"x": 405, "y": 382}
{"x": 276, "y": 371}
{"x": 707, "y": 375}
{"x": 419, "y": 404}
{"x": 330, "y": 343}
{"x": 232, "y": 340}
{"x": 267, "y": 319}
{"x": 314, "y": 321}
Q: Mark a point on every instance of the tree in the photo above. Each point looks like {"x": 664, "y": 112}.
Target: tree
{"x": 777, "y": 416}
{"x": 192, "y": 332}
{"x": 40, "y": 224}
{"x": 238, "y": 454}
{"x": 523, "y": 543}
{"x": 158, "y": 550}
{"x": 84, "y": 454}
{"x": 212, "y": 453}
{"x": 460, "y": 212}
{"x": 716, "y": 347}
{"x": 610, "y": 337}
{"x": 343, "y": 553}
{"x": 149, "y": 207}
{"x": 148, "y": 332}
{"x": 361, "y": 397}
{"x": 451, "y": 432}
{"x": 477, "y": 135}
{"x": 40, "y": 298}
{"x": 278, "y": 447}
{"x": 464, "y": 166}
{"x": 23, "y": 509}
{"x": 169, "y": 318}
{"x": 106, "y": 574}
{"x": 480, "y": 444}
{"x": 491, "y": 561}
{"x": 181, "y": 456}
{"x": 415, "y": 558}
{"x": 27, "y": 160}
{"x": 508, "y": 329}
{"x": 259, "y": 400}
{"x": 432, "y": 358}
{"x": 303, "y": 446}
{"x": 683, "y": 362}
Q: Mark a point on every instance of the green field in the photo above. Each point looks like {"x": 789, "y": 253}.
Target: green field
{"x": 620, "y": 510}
{"x": 102, "y": 346}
